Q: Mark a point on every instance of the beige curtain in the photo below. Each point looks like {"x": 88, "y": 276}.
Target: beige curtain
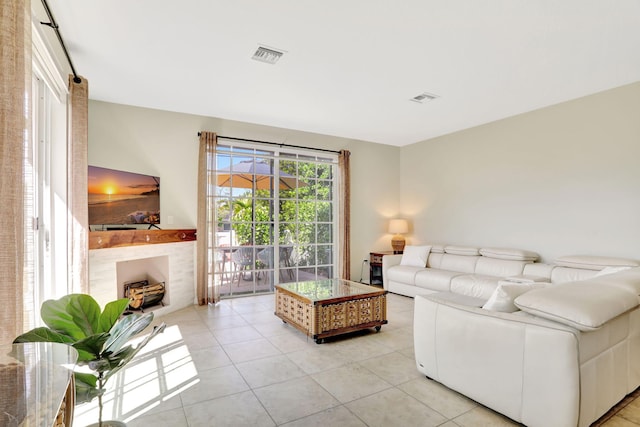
{"x": 207, "y": 291}
{"x": 345, "y": 215}
{"x": 15, "y": 122}
{"x": 78, "y": 219}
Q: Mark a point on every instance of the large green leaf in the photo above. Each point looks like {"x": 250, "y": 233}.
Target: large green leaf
{"x": 121, "y": 357}
{"x": 123, "y": 354}
{"x": 86, "y": 387}
{"x": 126, "y": 356}
{"x": 93, "y": 344}
{"x": 55, "y": 315}
{"x": 126, "y": 328}
{"x": 43, "y": 335}
{"x": 85, "y": 313}
{"x": 111, "y": 314}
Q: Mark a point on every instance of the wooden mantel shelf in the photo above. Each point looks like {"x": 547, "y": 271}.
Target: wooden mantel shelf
{"x": 119, "y": 238}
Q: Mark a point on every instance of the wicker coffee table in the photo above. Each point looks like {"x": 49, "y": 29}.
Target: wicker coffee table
{"x": 324, "y": 308}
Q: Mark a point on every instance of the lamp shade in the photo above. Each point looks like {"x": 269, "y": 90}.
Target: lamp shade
{"x": 398, "y": 226}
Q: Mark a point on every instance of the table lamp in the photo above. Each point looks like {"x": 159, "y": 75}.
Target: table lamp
{"x": 397, "y": 227}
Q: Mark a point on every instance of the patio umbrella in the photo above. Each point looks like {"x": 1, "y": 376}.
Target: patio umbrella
{"x": 254, "y": 174}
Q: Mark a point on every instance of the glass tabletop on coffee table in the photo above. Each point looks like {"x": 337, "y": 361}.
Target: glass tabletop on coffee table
{"x": 327, "y": 307}
{"x": 326, "y": 289}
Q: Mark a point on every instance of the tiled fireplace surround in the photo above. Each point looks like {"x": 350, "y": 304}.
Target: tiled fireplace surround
{"x": 172, "y": 263}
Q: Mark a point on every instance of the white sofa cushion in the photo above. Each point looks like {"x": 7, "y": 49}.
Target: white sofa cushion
{"x": 475, "y": 285}
{"x": 505, "y": 294}
{"x": 499, "y": 267}
{"x": 461, "y": 263}
{"x": 585, "y": 305}
{"x": 403, "y": 274}
{"x": 627, "y": 279}
{"x": 435, "y": 259}
{"x": 512, "y": 254}
{"x": 462, "y": 250}
{"x": 437, "y": 249}
{"x": 457, "y": 299}
{"x": 539, "y": 269}
{"x": 568, "y": 274}
{"x": 415, "y": 256}
{"x": 594, "y": 262}
{"x": 435, "y": 279}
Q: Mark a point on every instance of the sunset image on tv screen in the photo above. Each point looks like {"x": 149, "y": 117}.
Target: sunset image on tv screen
{"x": 119, "y": 197}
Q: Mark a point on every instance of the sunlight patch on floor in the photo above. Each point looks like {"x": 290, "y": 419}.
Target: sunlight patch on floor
{"x": 159, "y": 373}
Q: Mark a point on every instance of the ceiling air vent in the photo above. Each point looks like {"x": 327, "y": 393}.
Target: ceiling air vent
{"x": 268, "y": 55}
{"x": 424, "y": 97}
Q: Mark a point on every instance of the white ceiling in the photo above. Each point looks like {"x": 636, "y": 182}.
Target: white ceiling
{"x": 352, "y": 65}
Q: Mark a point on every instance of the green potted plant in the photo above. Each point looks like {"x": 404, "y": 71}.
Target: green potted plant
{"x": 99, "y": 337}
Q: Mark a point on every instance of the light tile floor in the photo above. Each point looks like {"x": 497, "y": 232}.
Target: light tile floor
{"x": 237, "y": 364}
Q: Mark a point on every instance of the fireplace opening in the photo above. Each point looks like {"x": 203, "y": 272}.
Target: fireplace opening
{"x": 143, "y": 294}
{"x": 144, "y": 282}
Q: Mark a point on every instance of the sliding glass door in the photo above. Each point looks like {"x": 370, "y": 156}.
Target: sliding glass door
{"x": 275, "y": 217}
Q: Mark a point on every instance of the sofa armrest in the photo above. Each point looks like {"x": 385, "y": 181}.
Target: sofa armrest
{"x": 387, "y": 262}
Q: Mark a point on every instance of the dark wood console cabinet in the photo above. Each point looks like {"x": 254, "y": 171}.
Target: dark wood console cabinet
{"x": 375, "y": 267}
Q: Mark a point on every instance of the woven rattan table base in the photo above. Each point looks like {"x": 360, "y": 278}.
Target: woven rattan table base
{"x": 322, "y": 319}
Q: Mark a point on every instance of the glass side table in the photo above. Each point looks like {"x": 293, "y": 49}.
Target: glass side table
{"x": 36, "y": 384}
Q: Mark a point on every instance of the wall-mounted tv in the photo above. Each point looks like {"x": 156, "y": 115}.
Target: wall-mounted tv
{"x": 119, "y": 197}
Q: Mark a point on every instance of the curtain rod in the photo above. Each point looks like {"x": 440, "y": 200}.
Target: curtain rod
{"x": 52, "y": 23}
{"x": 277, "y": 143}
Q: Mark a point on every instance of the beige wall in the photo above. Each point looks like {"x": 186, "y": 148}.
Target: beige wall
{"x": 560, "y": 180}
{"x": 166, "y": 144}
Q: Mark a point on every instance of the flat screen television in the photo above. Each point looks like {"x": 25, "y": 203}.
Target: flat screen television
{"x": 119, "y": 197}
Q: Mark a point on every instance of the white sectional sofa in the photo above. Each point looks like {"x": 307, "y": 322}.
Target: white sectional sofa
{"x": 562, "y": 351}
{"x": 465, "y": 270}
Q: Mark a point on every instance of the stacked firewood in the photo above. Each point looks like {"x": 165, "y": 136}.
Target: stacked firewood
{"x": 141, "y": 296}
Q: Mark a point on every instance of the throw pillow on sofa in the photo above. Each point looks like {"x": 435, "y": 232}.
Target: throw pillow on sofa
{"x": 415, "y": 256}
{"x": 505, "y": 294}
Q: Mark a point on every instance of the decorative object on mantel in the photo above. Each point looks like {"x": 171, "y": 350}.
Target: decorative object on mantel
{"x": 397, "y": 227}
{"x": 118, "y": 238}
{"x": 99, "y": 338}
